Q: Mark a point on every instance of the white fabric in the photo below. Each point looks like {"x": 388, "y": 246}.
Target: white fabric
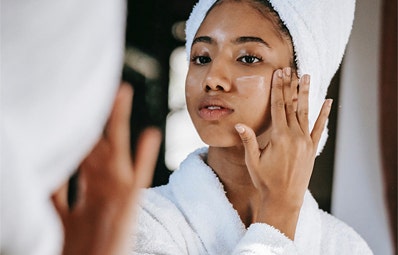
{"x": 60, "y": 67}
{"x": 192, "y": 215}
{"x": 320, "y": 31}
{"x": 358, "y": 164}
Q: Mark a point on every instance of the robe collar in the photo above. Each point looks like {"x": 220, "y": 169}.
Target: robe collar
{"x": 201, "y": 197}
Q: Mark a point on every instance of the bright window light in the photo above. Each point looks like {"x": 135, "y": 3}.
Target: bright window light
{"x": 181, "y": 136}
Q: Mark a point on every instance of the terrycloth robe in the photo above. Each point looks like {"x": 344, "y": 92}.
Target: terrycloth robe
{"x": 192, "y": 215}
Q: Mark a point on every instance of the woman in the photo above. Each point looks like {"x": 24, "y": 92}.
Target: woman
{"x": 247, "y": 192}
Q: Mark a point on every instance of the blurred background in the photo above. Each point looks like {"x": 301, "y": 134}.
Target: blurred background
{"x": 355, "y": 176}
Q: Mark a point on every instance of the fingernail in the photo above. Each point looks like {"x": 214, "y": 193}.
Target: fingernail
{"x": 307, "y": 78}
{"x": 288, "y": 71}
{"x": 279, "y": 73}
{"x": 240, "y": 129}
{"x": 329, "y": 102}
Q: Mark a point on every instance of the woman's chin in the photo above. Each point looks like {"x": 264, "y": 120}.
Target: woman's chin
{"x": 222, "y": 141}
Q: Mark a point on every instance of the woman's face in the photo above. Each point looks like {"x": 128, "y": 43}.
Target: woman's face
{"x": 233, "y": 56}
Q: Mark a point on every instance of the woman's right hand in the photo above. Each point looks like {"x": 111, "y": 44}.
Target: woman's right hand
{"x": 109, "y": 183}
{"x": 281, "y": 171}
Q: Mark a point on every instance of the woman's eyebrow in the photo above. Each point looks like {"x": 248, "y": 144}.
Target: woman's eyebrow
{"x": 204, "y": 39}
{"x": 246, "y": 39}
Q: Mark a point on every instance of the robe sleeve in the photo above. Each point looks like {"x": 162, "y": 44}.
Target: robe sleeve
{"x": 336, "y": 238}
{"x": 265, "y": 240}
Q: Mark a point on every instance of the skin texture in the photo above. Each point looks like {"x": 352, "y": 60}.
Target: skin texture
{"x": 101, "y": 220}
{"x": 247, "y": 104}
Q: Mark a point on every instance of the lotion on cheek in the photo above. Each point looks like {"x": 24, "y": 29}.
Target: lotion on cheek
{"x": 252, "y": 84}
{"x": 255, "y": 89}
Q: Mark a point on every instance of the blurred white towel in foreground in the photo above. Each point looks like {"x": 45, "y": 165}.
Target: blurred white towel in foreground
{"x": 60, "y": 68}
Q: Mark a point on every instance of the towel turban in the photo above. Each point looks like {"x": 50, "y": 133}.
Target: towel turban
{"x": 320, "y": 31}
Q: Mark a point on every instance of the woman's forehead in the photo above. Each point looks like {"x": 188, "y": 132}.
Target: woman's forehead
{"x": 232, "y": 20}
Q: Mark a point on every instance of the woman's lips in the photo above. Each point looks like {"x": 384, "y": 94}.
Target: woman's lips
{"x": 214, "y": 111}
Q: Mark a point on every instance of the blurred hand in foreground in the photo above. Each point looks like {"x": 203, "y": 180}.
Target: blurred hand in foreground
{"x": 101, "y": 220}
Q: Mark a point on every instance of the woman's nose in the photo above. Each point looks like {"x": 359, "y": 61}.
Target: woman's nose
{"x": 217, "y": 78}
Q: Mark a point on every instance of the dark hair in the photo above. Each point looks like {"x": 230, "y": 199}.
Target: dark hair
{"x": 266, "y": 9}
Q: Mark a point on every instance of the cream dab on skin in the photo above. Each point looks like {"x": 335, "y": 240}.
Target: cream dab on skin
{"x": 252, "y": 82}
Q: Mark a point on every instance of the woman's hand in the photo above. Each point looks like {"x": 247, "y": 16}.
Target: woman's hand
{"x": 282, "y": 170}
{"x": 101, "y": 219}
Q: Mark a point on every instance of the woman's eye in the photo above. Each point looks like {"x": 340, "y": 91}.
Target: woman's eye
{"x": 249, "y": 59}
{"x": 201, "y": 60}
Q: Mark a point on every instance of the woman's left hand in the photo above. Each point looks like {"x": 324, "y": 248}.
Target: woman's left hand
{"x": 281, "y": 171}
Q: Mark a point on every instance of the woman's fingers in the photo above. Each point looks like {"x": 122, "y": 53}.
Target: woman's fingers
{"x": 288, "y": 95}
{"x": 287, "y": 92}
{"x": 60, "y": 202}
{"x": 147, "y": 153}
{"x": 252, "y": 151}
{"x": 278, "y": 113}
{"x": 295, "y": 92}
{"x": 117, "y": 139}
{"x": 118, "y": 127}
{"x": 321, "y": 121}
{"x": 302, "y": 104}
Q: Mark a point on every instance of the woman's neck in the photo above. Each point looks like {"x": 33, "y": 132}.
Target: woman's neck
{"x": 229, "y": 165}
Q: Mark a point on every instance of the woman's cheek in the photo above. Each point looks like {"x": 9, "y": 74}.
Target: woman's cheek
{"x": 255, "y": 89}
{"x": 253, "y": 84}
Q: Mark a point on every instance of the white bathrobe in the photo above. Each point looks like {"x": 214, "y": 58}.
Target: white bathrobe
{"x": 192, "y": 215}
